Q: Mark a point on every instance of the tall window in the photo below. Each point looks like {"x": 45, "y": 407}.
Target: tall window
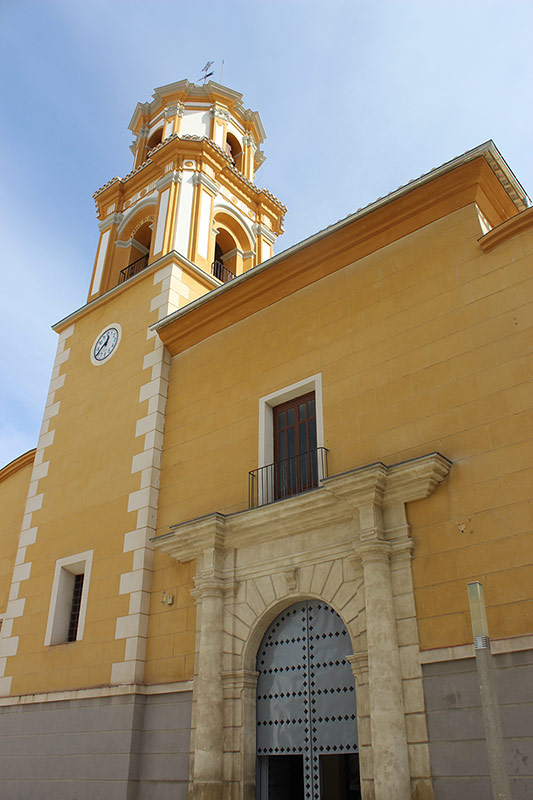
{"x": 295, "y": 446}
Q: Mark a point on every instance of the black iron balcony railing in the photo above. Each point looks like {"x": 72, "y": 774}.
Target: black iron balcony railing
{"x": 133, "y": 269}
{"x": 288, "y": 477}
{"x": 221, "y": 272}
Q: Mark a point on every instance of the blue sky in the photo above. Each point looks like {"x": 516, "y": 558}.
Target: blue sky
{"x": 356, "y": 98}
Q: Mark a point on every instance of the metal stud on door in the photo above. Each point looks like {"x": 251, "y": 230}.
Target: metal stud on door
{"x": 305, "y": 692}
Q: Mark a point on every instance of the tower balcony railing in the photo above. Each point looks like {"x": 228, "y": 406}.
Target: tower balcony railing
{"x": 291, "y": 476}
{"x": 218, "y": 270}
{"x": 133, "y": 269}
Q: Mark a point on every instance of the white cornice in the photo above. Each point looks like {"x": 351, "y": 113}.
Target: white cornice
{"x": 169, "y": 258}
{"x": 488, "y": 150}
{"x": 208, "y": 91}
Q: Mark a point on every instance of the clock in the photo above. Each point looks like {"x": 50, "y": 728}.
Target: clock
{"x": 106, "y": 344}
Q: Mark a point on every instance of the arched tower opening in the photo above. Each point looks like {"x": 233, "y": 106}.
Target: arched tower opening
{"x": 138, "y": 251}
{"x": 155, "y": 139}
{"x": 234, "y": 151}
{"x": 225, "y": 261}
{"x": 307, "y": 744}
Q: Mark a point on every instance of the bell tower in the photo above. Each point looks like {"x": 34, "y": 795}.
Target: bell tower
{"x": 191, "y": 195}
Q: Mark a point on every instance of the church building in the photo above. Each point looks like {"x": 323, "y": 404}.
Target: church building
{"x": 235, "y": 566}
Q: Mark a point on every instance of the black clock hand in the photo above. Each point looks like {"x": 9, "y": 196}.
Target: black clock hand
{"x": 102, "y": 345}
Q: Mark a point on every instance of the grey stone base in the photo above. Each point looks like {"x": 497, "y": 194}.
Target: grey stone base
{"x": 128, "y": 747}
{"x": 459, "y": 762}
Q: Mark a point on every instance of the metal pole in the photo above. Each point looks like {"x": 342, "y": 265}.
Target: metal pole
{"x": 499, "y": 778}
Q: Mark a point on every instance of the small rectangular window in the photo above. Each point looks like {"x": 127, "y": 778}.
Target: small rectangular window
{"x": 68, "y": 603}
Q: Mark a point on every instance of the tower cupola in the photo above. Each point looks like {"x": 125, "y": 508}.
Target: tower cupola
{"x": 191, "y": 191}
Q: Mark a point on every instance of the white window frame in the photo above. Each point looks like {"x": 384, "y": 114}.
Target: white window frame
{"x": 266, "y": 415}
{"x": 61, "y": 598}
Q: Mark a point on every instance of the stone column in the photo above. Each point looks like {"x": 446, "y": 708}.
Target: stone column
{"x": 359, "y": 665}
{"x": 387, "y": 720}
{"x": 208, "y": 689}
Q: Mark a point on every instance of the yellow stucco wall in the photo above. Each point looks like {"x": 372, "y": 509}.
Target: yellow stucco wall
{"x": 421, "y": 348}
{"x": 13, "y": 491}
{"x": 85, "y": 503}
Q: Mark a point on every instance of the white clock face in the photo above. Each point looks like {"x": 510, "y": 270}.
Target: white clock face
{"x": 105, "y": 344}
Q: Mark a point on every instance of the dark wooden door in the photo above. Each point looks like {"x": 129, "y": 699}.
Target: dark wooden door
{"x": 295, "y": 453}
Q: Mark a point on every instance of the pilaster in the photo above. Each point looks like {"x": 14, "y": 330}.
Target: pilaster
{"x": 387, "y": 718}
{"x": 208, "y": 769}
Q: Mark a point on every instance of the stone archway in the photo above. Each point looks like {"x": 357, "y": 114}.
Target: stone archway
{"x": 347, "y": 543}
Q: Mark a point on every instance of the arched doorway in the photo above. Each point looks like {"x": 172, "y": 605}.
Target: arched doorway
{"x": 306, "y": 711}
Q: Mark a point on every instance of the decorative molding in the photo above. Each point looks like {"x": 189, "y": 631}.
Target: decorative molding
{"x": 291, "y": 578}
{"x": 133, "y": 243}
{"x": 112, "y": 219}
{"x": 218, "y": 111}
{"x": 359, "y": 665}
{"x": 17, "y": 464}
{"x": 200, "y": 178}
{"x": 249, "y": 141}
{"x": 174, "y": 176}
{"x": 311, "y": 510}
{"x": 510, "y": 644}
{"x": 235, "y": 681}
{"x": 125, "y": 689}
{"x": 507, "y": 230}
{"x": 261, "y": 230}
{"x": 174, "y": 110}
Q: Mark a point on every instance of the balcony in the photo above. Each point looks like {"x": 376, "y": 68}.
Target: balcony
{"x": 282, "y": 479}
{"x": 221, "y": 272}
{"x": 133, "y": 269}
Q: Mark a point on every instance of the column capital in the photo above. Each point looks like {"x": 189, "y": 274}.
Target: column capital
{"x": 204, "y": 180}
{"x": 112, "y": 219}
{"x": 359, "y": 664}
{"x": 373, "y": 548}
{"x": 172, "y": 176}
{"x": 403, "y": 550}
{"x": 207, "y": 586}
{"x": 239, "y": 679}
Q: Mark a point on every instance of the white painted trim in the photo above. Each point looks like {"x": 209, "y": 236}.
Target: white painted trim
{"x": 161, "y": 220}
{"x": 203, "y": 227}
{"x": 99, "y": 691}
{"x": 511, "y": 644}
{"x": 133, "y": 242}
{"x": 221, "y": 204}
{"x": 173, "y": 176}
{"x": 113, "y": 219}
{"x": 267, "y": 403}
{"x": 61, "y": 597}
{"x": 94, "y": 361}
{"x": 148, "y": 200}
{"x": 102, "y": 250}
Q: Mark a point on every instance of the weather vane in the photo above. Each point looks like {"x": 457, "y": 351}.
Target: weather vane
{"x": 207, "y": 71}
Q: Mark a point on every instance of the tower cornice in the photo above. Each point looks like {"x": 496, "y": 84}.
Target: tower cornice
{"x": 175, "y": 149}
{"x": 211, "y": 92}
